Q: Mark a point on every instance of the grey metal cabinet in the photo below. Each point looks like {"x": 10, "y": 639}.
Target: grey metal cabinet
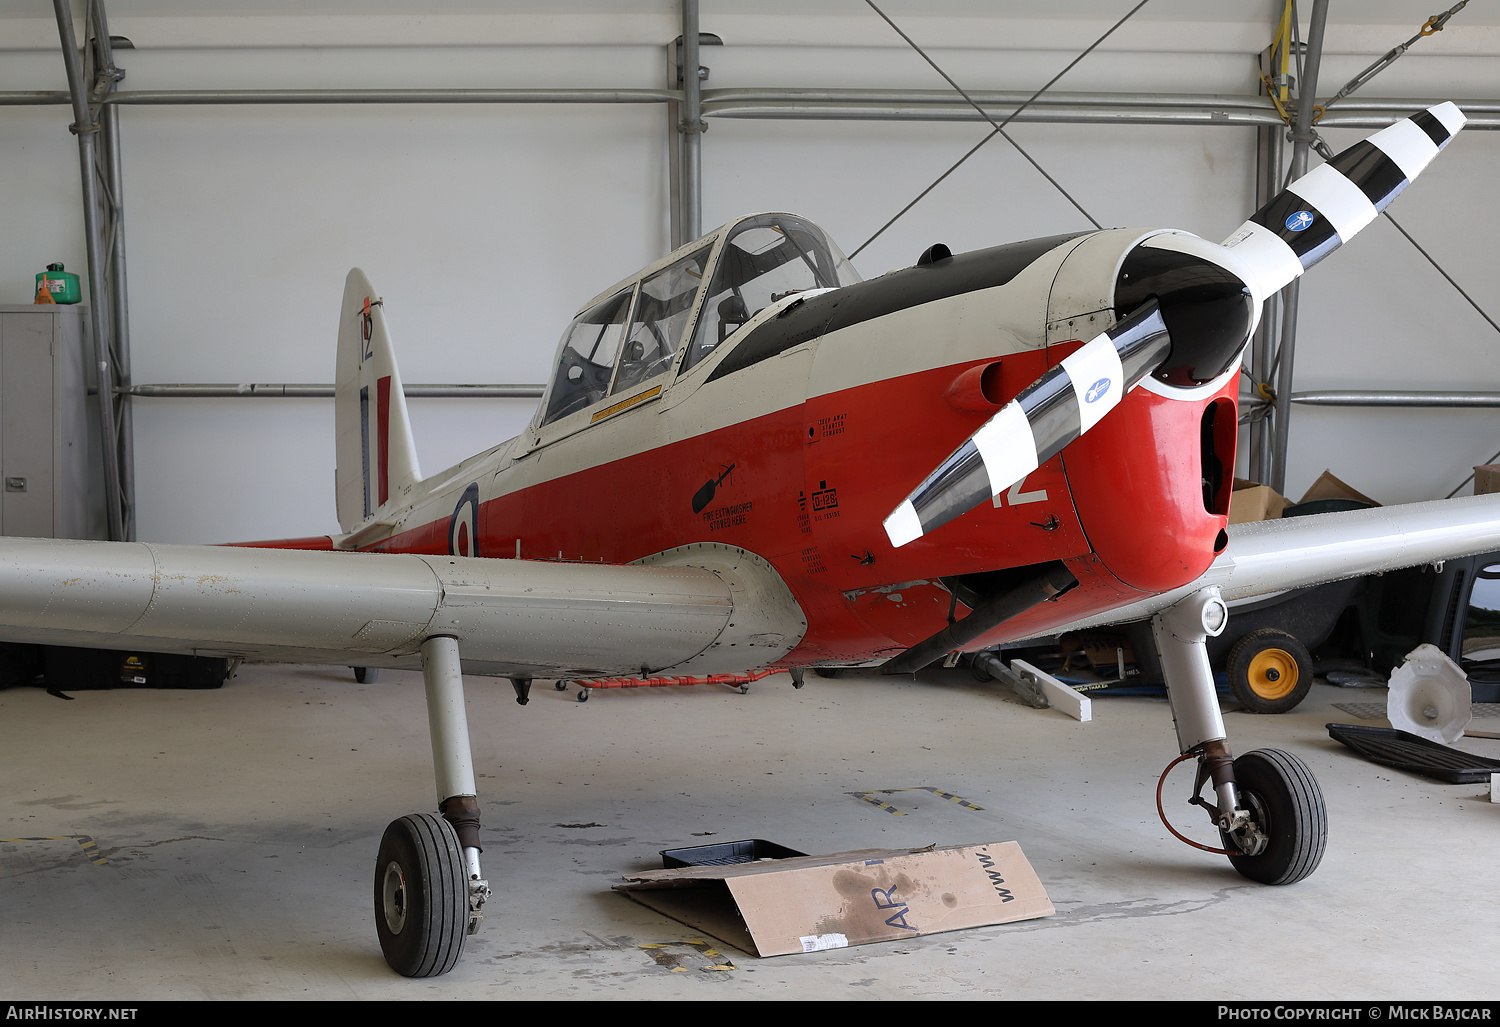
{"x": 44, "y": 450}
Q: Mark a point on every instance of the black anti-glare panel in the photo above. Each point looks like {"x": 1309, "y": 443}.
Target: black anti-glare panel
{"x": 865, "y": 301}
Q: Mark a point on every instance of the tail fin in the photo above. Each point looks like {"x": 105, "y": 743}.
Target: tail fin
{"x": 376, "y": 455}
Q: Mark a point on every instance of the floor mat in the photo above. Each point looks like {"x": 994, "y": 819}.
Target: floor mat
{"x": 1406, "y": 751}
{"x": 1376, "y": 710}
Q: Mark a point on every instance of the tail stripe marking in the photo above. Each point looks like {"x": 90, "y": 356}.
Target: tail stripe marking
{"x": 383, "y": 434}
{"x": 364, "y": 442}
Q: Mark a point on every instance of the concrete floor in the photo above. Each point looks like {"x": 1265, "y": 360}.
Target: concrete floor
{"x": 240, "y": 827}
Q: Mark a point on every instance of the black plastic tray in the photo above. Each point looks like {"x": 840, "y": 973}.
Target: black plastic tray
{"x": 1406, "y": 751}
{"x": 725, "y": 854}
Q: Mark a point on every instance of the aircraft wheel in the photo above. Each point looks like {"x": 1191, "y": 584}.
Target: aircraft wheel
{"x": 583, "y": 694}
{"x": 1287, "y": 804}
{"x": 976, "y": 671}
{"x": 561, "y": 686}
{"x": 829, "y": 672}
{"x": 421, "y": 896}
{"x": 1269, "y": 671}
{"x": 366, "y": 675}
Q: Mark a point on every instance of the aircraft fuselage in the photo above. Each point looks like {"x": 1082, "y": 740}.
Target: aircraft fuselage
{"x": 798, "y": 434}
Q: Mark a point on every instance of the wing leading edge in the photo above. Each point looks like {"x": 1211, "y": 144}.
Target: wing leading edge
{"x": 509, "y": 616}
{"x": 1269, "y": 556}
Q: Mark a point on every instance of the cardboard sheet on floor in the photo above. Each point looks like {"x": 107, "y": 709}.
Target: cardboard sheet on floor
{"x": 810, "y": 903}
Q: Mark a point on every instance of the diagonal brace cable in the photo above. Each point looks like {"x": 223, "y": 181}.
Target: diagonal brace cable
{"x": 997, "y": 128}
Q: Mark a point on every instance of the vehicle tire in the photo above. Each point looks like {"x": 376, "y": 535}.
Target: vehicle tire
{"x": 976, "y": 670}
{"x": 1287, "y": 804}
{"x": 421, "y": 896}
{"x": 829, "y": 672}
{"x": 366, "y": 675}
{"x": 1269, "y": 671}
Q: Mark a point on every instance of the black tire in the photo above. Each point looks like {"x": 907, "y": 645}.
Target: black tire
{"x": 978, "y": 672}
{"x": 366, "y": 675}
{"x": 421, "y": 896}
{"x": 1269, "y": 671}
{"x": 561, "y": 686}
{"x": 1285, "y": 800}
{"x": 829, "y": 672}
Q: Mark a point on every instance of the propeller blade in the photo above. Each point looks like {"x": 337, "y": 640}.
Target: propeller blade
{"x": 1209, "y": 294}
{"x": 1035, "y": 426}
{"x": 1324, "y": 208}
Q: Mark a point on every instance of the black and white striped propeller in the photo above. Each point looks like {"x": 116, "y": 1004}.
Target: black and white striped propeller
{"x": 1192, "y": 306}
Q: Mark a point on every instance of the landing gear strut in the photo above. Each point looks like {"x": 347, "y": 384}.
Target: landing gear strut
{"x": 1270, "y": 811}
{"x": 429, "y": 890}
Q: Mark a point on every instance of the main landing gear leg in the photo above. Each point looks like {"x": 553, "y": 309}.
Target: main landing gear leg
{"x": 429, "y": 890}
{"x": 1270, "y": 811}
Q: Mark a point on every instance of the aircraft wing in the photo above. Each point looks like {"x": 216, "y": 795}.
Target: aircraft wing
{"x": 525, "y": 617}
{"x": 558, "y": 620}
{"x": 1264, "y": 557}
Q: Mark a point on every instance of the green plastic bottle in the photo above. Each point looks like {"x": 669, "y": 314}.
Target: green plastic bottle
{"x": 62, "y": 285}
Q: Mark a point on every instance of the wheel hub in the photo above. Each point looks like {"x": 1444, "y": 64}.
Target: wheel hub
{"x": 393, "y": 894}
{"x": 1273, "y": 673}
{"x": 1249, "y": 835}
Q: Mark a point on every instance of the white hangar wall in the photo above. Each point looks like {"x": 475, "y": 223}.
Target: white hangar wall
{"x": 486, "y": 226}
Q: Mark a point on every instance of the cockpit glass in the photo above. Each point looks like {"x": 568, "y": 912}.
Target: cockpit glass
{"x": 589, "y": 348}
{"x": 637, "y": 333}
{"x": 661, "y": 314}
{"x": 765, "y": 259}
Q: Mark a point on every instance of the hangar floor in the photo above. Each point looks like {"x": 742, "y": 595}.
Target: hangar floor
{"x": 238, "y": 831}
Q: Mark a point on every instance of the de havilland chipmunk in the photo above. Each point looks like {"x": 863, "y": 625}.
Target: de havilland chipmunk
{"x": 749, "y": 458}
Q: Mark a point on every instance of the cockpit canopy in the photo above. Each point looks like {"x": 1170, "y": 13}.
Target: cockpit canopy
{"x": 667, "y": 318}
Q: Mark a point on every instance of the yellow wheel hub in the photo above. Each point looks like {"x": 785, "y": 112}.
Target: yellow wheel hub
{"x": 1273, "y": 674}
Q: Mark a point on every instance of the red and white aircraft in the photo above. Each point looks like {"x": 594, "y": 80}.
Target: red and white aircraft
{"x": 749, "y": 458}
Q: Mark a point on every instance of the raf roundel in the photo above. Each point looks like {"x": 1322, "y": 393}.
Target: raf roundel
{"x": 463, "y": 526}
{"x": 1097, "y": 391}
{"x": 1299, "y": 220}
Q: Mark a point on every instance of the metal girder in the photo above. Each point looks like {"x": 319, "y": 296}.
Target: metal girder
{"x": 1302, "y": 136}
{"x": 782, "y": 104}
{"x": 91, "y": 76}
{"x": 200, "y": 390}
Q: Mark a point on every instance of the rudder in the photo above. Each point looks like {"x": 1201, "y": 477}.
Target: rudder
{"x": 376, "y": 456}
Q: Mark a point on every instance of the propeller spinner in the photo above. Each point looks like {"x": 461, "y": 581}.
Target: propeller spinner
{"x": 1192, "y": 306}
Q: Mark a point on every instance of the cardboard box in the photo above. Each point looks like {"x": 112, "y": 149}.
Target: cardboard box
{"x": 1329, "y": 487}
{"x": 811, "y": 903}
{"x": 1251, "y": 501}
{"x": 1486, "y": 479}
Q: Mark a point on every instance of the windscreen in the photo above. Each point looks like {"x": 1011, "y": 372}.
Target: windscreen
{"x": 765, "y": 259}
